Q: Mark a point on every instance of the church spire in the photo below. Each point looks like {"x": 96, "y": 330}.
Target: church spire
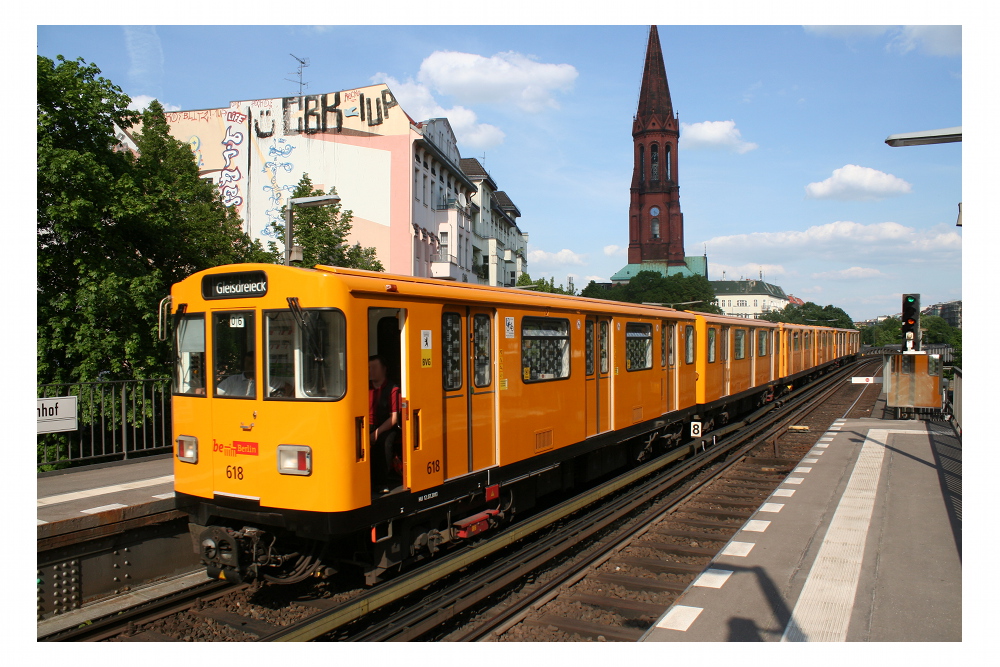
{"x": 654, "y": 95}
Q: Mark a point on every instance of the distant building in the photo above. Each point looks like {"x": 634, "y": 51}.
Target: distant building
{"x": 749, "y": 298}
{"x": 500, "y": 249}
{"x": 402, "y": 179}
{"x": 655, "y": 223}
{"x": 950, "y": 311}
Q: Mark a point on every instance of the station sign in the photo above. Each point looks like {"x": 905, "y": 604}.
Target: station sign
{"x": 57, "y": 414}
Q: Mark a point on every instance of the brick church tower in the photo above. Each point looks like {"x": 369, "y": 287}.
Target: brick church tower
{"x": 656, "y": 224}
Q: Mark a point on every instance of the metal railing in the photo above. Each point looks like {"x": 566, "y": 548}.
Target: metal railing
{"x": 117, "y": 419}
{"x": 448, "y": 259}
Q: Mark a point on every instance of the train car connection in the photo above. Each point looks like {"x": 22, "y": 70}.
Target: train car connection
{"x": 505, "y": 397}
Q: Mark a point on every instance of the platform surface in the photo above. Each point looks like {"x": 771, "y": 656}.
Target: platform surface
{"x": 861, "y": 543}
{"x": 77, "y": 498}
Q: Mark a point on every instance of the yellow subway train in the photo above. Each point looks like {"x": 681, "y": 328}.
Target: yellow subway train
{"x": 504, "y": 397}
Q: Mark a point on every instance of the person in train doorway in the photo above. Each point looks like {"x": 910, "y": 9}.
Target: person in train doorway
{"x": 385, "y": 434}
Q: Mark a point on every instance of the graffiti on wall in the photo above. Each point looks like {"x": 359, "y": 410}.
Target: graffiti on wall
{"x": 230, "y": 176}
{"x": 277, "y": 162}
{"x": 312, "y": 114}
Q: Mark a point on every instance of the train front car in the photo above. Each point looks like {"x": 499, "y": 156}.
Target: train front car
{"x": 264, "y": 433}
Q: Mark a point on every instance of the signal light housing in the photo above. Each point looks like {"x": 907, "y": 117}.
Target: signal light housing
{"x": 911, "y": 322}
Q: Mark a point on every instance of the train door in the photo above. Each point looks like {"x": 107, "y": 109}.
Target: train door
{"x": 665, "y": 385}
{"x": 384, "y": 339}
{"x": 670, "y": 330}
{"x": 590, "y": 374}
{"x": 725, "y": 361}
{"x": 752, "y": 354}
{"x": 603, "y": 381}
{"x": 455, "y": 411}
{"x": 236, "y": 408}
{"x": 482, "y": 389}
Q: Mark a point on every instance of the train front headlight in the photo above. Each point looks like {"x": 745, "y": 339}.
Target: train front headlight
{"x": 294, "y": 460}
{"x": 187, "y": 448}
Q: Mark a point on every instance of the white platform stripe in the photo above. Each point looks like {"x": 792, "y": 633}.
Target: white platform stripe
{"x": 740, "y": 549}
{"x": 823, "y": 610}
{"x": 802, "y": 469}
{"x": 823, "y": 445}
{"x": 679, "y": 617}
{"x": 784, "y": 493}
{"x": 40, "y": 522}
{"x": 771, "y": 507}
{"x": 164, "y": 496}
{"x": 103, "y": 508}
{"x": 811, "y": 460}
{"x": 712, "y": 578}
{"x": 90, "y": 493}
{"x": 793, "y": 480}
{"x": 756, "y": 526}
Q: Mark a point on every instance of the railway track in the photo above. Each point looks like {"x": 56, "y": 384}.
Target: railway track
{"x": 589, "y": 559}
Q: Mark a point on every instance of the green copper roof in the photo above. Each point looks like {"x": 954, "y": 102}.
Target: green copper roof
{"x": 695, "y": 266}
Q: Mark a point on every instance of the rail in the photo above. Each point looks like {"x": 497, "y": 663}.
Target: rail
{"x": 117, "y": 419}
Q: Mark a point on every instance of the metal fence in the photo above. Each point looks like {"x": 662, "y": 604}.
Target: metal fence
{"x": 117, "y": 419}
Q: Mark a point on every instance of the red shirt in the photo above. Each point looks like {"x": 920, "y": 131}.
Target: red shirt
{"x": 373, "y": 397}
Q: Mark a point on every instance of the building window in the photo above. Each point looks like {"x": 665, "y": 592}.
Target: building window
{"x": 666, "y": 150}
{"x": 416, "y": 184}
{"x": 655, "y": 227}
{"x": 642, "y": 164}
{"x": 638, "y": 346}
{"x": 654, "y": 163}
{"x": 425, "y": 189}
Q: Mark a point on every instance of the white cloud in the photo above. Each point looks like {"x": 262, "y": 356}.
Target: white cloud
{"x": 615, "y": 251}
{"x": 853, "y": 273}
{"x": 563, "y": 257}
{"x": 714, "y": 134}
{"x": 596, "y": 279}
{"x": 852, "y": 182}
{"x": 932, "y": 40}
{"x": 887, "y": 242}
{"x": 141, "y": 102}
{"x": 418, "y": 101}
{"x": 504, "y": 78}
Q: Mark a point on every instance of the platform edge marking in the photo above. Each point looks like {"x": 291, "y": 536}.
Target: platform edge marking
{"x": 679, "y": 617}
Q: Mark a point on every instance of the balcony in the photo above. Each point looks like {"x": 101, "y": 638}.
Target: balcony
{"x": 446, "y": 267}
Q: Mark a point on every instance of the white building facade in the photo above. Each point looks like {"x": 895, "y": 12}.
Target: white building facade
{"x": 748, "y": 298}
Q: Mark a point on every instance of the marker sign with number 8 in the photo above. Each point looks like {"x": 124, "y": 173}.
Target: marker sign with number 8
{"x": 695, "y": 429}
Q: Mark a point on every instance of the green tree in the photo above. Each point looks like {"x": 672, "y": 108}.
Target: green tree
{"x": 542, "y": 285}
{"x": 811, "y": 313}
{"x": 322, "y": 232}
{"x": 115, "y": 230}
{"x": 887, "y": 332}
{"x": 684, "y": 292}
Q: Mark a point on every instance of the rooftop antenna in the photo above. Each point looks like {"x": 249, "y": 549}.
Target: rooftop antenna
{"x": 303, "y": 63}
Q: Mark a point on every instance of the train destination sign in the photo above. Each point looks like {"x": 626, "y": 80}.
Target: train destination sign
{"x": 57, "y": 414}
{"x": 240, "y": 284}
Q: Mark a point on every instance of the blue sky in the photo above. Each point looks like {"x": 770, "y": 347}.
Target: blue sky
{"x": 783, "y": 168}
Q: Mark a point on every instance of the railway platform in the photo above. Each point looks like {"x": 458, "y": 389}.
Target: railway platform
{"x": 80, "y": 498}
{"x": 862, "y": 542}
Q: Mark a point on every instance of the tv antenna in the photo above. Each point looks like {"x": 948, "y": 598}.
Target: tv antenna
{"x": 303, "y": 63}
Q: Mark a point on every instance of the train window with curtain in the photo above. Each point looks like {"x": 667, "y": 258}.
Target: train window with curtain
{"x": 663, "y": 344}
{"x": 234, "y": 354}
{"x": 544, "y": 349}
{"x": 689, "y": 344}
{"x": 638, "y": 346}
{"x": 605, "y": 342}
{"x": 670, "y": 344}
{"x": 762, "y": 343}
{"x": 712, "y": 331}
{"x": 482, "y": 346}
{"x": 589, "y": 347}
{"x": 740, "y": 344}
{"x": 307, "y": 358}
{"x": 189, "y": 366}
{"x": 451, "y": 350}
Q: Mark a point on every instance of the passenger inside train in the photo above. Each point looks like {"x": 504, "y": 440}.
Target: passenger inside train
{"x": 385, "y": 433}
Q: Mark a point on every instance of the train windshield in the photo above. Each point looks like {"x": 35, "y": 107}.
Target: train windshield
{"x": 306, "y": 355}
{"x": 189, "y": 368}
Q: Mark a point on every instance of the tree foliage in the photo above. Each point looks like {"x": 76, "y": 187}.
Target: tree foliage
{"x": 887, "y": 332}
{"x": 653, "y": 287}
{"x": 811, "y": 313}
{"x": 322, "y": 232}
{"x": 115, "y": 229}
{"x": 542, "y": 285}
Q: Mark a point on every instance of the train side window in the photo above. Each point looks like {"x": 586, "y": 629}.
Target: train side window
{"x": 234, "y": 354}
{"x": 689, "y": 342}
{"x": 761, "y": 343}
{"x": 451, "y": 336}
{"x": 638, "y": 346}
{"x": 589, "y": 347}
{"x": 305, "y": 359}
{"x": 740, "y": 344}
{"x": 795, "y": 341}
{"x": 711, "y": 344}
{"x": 670, "y": 344}
{"x": 544, "y": 349}
{"x": 663, "y": 344}
{"x": 482, "y": 346}
{"x": 189, "y": 366}
{"x": 605, "y": 356}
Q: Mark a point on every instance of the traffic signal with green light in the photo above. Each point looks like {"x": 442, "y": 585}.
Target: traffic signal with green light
{"x": 911, "y": 322}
